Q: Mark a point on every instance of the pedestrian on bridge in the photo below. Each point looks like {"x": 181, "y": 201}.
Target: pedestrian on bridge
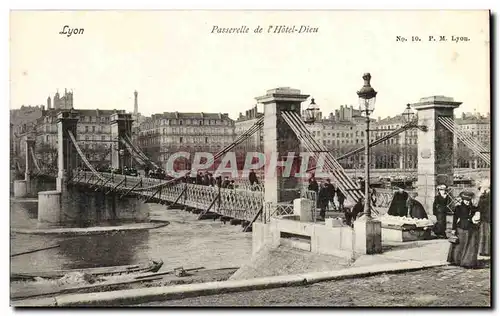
{"x": 340, "y": 198}
{"x": 464, "y": 247}
{"x": 484, "y": 207}
{"x": 313, "y": 184}
{"x": 440, "y": 209}
{"x": 252, "y": 177}
{"x": 323, "y": 198}
{"x": 331, "y": 192}
{"x": 352, "y": 214}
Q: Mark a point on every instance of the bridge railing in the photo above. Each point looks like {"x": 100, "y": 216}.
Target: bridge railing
{"x": 237, "y": 203}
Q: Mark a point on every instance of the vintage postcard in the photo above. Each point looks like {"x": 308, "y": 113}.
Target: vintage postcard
{"x": 250, "y": 158}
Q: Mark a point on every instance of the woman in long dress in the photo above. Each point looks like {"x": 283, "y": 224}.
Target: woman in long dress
{"x": 466, "y": 228}
{"x": 484, "y": 207}
{"x": 398, "y": 204}
{"x": 415, "y": 208}
{"x": 440, "y": 209}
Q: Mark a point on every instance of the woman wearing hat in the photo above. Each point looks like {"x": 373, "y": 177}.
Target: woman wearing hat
{"x": 415, "y": 208}
{"x": 440, "y": 209}
{"x": 465, "y": 226}
{"x": 484, "y": 207}
{"x": 398, "y": 203}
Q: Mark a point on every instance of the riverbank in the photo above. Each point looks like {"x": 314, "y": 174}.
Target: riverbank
{"x": 397, "y": 258}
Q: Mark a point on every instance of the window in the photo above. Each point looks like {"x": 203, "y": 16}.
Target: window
{"x": 180, "y": 122}
{"x": 180, "y": 139}
{"x": 86, "y": 129}
{"x": 103, "y": 137}
{"x": 206, "y": 140}
{"x": 93, "y": 129}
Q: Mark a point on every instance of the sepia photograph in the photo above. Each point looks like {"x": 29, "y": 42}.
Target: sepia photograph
{"x": 250, "y": 158}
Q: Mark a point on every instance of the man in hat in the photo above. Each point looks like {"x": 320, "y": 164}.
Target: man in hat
{"x": 440, "y": 209}
{"x": 398, "y": 203}
{"x": 415, "y": 208}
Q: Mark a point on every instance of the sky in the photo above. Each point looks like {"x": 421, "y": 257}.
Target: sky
{"x": 176, "y": 63}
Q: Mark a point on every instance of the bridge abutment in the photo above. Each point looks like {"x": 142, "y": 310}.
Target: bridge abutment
{"x": 20, "y": 189}
{"x": 435, "y": 147}
{"x": 77, "y": 207}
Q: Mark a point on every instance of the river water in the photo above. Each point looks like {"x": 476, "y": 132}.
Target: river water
{"x": 185, "y": 242}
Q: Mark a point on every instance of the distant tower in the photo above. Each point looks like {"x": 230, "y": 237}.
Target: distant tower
{"x": 136, "y": 105}
{"x": 57, "y": 101}
{"x": 48, "y": 103}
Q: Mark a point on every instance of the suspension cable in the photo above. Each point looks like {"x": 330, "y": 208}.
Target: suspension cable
{"x": 345, "y": 183}
{"x": 82, "y": 156}
{"x": 474, "y": 145}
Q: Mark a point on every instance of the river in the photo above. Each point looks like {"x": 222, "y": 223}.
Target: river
{"x": 185, "y": 242}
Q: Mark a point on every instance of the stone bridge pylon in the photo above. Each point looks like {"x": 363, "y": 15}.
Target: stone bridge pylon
{"x": 121, "y": 129}
{"x": 23, "y": 188}
{"x": 435, "y": 147}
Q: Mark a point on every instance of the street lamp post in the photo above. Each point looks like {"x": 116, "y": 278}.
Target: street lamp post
{"x": 367, "y": 96}
{"x": 408, "y": 117}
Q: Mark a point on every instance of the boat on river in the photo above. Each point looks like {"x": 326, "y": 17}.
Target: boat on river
{"x": 150, "y": 266}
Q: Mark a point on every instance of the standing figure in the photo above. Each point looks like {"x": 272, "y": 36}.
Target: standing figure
{"x": 465, "y": 226}
{"x": 218, "y": 181}
{"x": 313, "y": 185}
{"x": 331, "y": 192}
{"x": 323, "y": 196}
{"x": 252, "y": 177}
{"x": 225, "y": 183}
{"x": 440, "y": 209}
{"x": 351, "y": 215}
{"x": 484, "y": 208}
{"x": 398, "y": 203}
{"x": 340, "y": 198}
{"x": 415, "y": 208}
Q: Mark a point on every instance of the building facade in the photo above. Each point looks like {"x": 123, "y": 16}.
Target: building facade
{"x": 166, "y": 133}
{"x": 93, "y": 135}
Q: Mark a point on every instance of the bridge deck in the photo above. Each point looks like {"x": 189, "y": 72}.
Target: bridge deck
{"x": 236, "y": 203}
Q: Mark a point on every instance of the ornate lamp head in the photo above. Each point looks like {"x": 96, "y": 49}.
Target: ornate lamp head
{"x": 408, "y": 114}
{"x": 311, "y": 112}
{"x": 367, "y": 95}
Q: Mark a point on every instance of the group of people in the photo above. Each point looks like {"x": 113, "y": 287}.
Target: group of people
{"x": 404, "y": 204}
{"x": 471, "y": 228}
{"x": 207, "y": 179}
{"x": 326, "y": 192}
{"x": 471, "y": 225}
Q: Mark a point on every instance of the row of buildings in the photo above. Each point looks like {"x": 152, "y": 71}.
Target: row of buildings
{"x": 162, "y": 134}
